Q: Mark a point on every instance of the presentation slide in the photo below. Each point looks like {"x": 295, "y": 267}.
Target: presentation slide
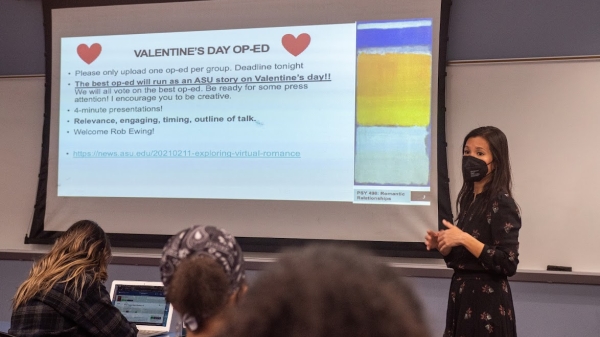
{"x": 289, "y": 119}
{"x": 337, "y": 112}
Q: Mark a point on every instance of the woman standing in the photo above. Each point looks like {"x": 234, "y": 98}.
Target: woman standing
{"x": 65, "y": 295}
{"x": 482, "y": 247}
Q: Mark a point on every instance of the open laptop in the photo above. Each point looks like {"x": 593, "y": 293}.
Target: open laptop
{"x": 143, "y": 303}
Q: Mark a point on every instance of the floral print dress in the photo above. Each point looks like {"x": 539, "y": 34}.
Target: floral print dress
{"x": 480, "y": 300}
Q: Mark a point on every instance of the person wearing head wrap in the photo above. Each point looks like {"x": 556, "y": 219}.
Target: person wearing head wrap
{"x": 202, "y": 269}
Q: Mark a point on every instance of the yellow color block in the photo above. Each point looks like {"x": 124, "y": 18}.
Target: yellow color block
{"x": 393, "y": 89}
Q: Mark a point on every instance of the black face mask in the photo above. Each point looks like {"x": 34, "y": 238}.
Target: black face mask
{"x": 474, "y": 169}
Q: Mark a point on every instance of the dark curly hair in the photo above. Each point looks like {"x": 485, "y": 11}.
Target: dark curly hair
{"x": 199, "y": 287}
{"x": 328, "y": 291}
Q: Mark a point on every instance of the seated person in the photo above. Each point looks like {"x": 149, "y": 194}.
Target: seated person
{"x": 328, "y": 291}
{"x": 202, "y": 269}
{"x": 65, "y": 295}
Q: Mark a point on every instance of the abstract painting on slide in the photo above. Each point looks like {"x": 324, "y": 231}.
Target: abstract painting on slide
{"x": 393, "y": 102}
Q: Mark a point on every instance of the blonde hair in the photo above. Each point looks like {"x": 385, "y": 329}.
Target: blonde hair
{"x": 83, "y": 251}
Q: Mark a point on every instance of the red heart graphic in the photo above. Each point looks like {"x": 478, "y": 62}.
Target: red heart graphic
{"x": 295, "y": 45}
{"x": 89, "y": 54}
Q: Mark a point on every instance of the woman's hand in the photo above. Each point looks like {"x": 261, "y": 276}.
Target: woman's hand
{"x": 451, "y": 237}
{"x": 431, "y": 240}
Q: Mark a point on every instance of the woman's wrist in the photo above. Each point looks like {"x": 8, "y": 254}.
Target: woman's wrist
{"x": 464, "y": 239}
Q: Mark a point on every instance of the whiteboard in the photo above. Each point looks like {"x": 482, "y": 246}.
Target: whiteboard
{"x": 550, "y": 112}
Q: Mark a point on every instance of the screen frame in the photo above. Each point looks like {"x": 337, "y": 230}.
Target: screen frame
{"x": 38, "y": 235}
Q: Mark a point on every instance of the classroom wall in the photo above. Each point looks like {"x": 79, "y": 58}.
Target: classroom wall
{"x": 517, "y": 29}
{"x": 478, "y": 30}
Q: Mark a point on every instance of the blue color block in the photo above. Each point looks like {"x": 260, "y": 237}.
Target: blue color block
{"x": 393, "y": 37}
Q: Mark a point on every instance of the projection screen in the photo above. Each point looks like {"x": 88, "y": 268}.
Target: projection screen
{"x": 280, "y": 121}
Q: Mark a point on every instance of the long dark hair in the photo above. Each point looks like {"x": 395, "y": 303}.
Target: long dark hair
{"x": 500, "y": 178}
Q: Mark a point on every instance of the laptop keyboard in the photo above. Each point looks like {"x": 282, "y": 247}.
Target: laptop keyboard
{"x": 148, "y": 333}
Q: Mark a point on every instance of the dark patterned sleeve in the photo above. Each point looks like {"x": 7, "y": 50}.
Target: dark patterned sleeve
{"x": 502, "y": 256}
{"x": 101, "y": 317}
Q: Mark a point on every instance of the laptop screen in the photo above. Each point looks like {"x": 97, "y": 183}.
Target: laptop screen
{"x": 142, "y": 304}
